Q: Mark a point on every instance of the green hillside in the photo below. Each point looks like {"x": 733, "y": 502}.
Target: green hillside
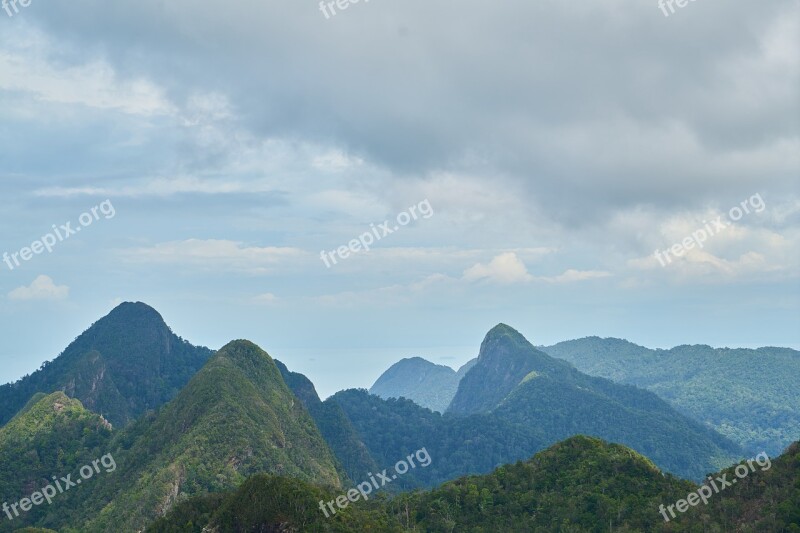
{"x": 580, "y": 485}
{"x": 505, "y": 358}
{"x": 352, "y": 454}
{"x": 234, "y": 419}
{"x": 55, "y": 435}
{"x": 750, "y": 396}
{"x": 276, "y": 504}
{"x": 517, "y": 383}
{"x": 476, "y": 444}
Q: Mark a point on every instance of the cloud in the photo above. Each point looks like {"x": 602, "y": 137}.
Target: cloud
{"x": 265, "y": 299}
{"x": 665, "y": 121}
{"x": 572, "y": 275}
{"x": 42, "y": 288}
{"x": 504, "y": 268}
{"x": 215, "y": 254}
{"x": 93, "y": 84}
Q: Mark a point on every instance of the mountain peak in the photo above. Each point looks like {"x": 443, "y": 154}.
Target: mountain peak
{"x": 127, "y": 362}
{"x": 505, "y": 335}
{"x": 505, "y": 358}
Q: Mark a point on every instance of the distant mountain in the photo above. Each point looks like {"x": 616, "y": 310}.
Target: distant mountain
{"x": 124, "y": 364}
{"x": 504, "y": 360}
{"x": 234, "y": 419}
{"x": 580, "y": 484}
{"x": 53, "y": 435}
{"x": 427, "y": 384}
{"x": 351, "y": 453}
{"x": 750, "y": 396}
{"x": 523, "y": 385}
{"x": 564, "y": 406}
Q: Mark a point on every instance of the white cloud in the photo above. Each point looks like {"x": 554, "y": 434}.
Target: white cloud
{"x": 42, "y": 288}
{"x": 266, "y": 298}
{"x": 505, "y": 268}
{"x": 215, "y": 254}
{"x": 572, "y": 275}
{"x": 93, "y": 84}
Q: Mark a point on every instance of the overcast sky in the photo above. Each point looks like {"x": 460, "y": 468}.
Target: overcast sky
{"x": 558, "y": 145}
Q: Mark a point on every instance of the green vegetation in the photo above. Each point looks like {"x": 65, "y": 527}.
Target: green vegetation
{"x": 53, "y": 436}
{"x": 274, "y": 503}
{"x": 528, "y": 400}
{"x": 125, "y": 364}
{"x": 582, "y": 484}
{"x": 352, "y": 455}
{"x": 575, "y": 403}
{"x": 505, "y": 358}
{"x": 750, "y": 396}
{"x": 392, "y": 429}
{"x": 579, "y": 485}
{"x": 765, "y": 501}
{"x": 426, "y": 384}
{"x": 247, "y": 445}
{"x": 234, "y": 419}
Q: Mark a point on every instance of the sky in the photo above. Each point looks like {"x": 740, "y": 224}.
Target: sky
{"x": 517, "y": 162}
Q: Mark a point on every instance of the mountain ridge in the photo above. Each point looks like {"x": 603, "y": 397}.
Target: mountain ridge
{"x": 127, "y": 362}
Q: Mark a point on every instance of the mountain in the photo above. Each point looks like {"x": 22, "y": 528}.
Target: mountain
{"x": 427, "y": 384}
{"x": 520, "y": 384}
{"x": 235, "y": 418}
{"x": 475, "y": 444}
{"x": 124, "y": 364}
{"x": 351, "y": 453}
{"x": 505, "y": 358}
{"x": 750, "y": 396}
{"x": 582, "y": 484}
{"x": 53, "y": 435}
{"x": 563, "y": 406}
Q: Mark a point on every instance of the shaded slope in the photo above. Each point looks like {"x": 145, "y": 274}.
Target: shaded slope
{"x": 523, "y": 385}
{"x": 351, "y": 453}
{"x": 124, "y": 364}
{"x": 579, "y": 404}
{"x": 747, "y": 395}
{"x": 505, "y": 358}
{"x": 393, "y": 428}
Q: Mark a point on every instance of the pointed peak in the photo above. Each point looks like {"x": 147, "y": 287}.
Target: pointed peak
{"x": 503, "y": 334}
{"x": 504, "y": 329}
